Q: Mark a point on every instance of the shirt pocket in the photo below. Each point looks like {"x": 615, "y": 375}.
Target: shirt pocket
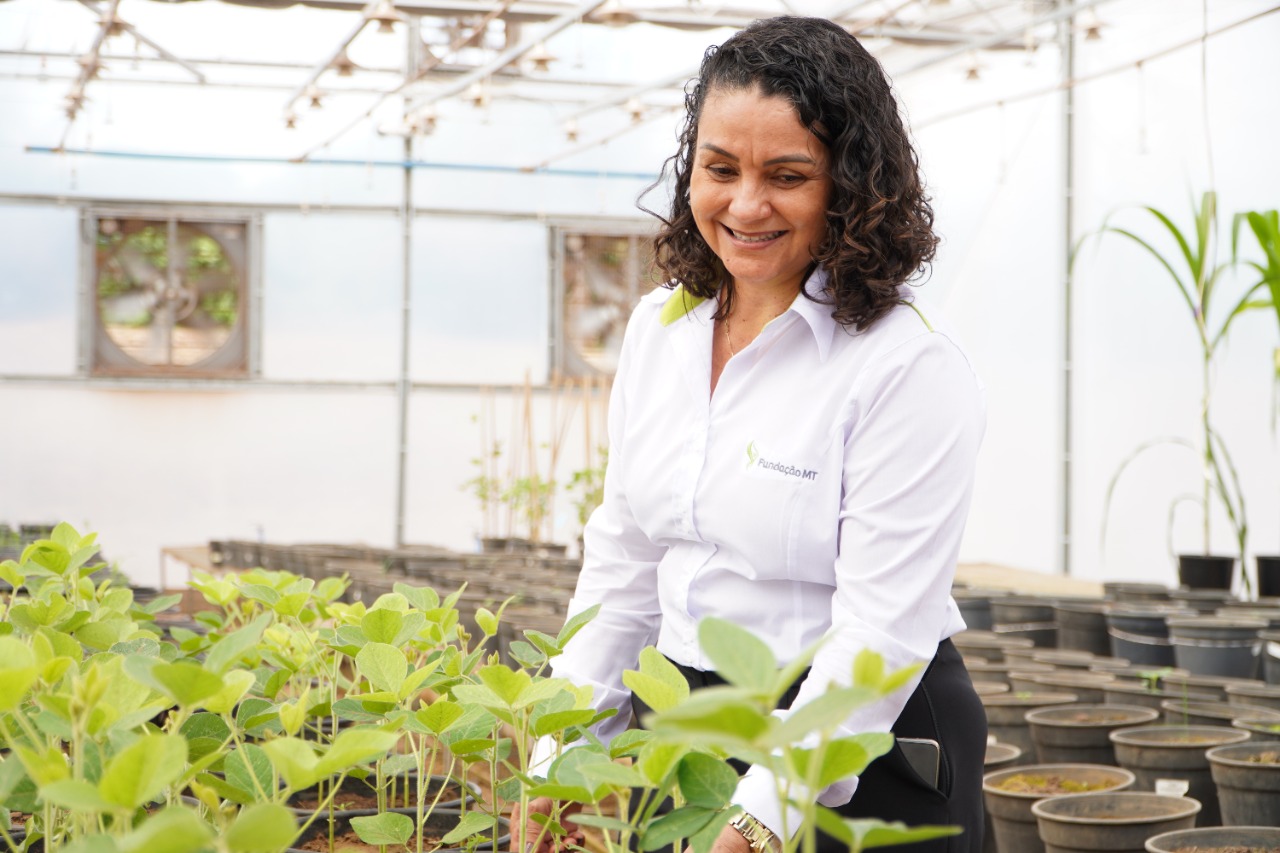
{"x": 812, "y": 516}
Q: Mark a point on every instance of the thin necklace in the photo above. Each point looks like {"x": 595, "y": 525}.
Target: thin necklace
{"x": 728, "y": 339}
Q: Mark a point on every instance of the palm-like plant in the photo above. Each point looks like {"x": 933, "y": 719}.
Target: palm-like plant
{"x": 1197, "y": 277}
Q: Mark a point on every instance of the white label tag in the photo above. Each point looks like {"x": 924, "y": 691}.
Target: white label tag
{"x": 1172, "y": 787}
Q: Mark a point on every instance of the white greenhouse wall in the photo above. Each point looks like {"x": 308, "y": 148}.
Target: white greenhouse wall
{"x": 308, "y": 451}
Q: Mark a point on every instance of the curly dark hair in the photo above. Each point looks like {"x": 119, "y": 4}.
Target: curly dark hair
{"x": 879, "y": 225}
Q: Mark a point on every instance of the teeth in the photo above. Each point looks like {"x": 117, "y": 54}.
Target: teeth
{"x": 758, "y": 239}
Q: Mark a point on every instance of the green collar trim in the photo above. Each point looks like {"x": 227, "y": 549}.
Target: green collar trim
{"x": 678, "y": 305}
{"x": 919, "y": 314}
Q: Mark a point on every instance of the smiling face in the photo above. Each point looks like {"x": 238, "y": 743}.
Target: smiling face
{"x": 759, "y": 188}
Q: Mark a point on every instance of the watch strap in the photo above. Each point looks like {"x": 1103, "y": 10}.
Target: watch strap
{"x": 759, "y": 836}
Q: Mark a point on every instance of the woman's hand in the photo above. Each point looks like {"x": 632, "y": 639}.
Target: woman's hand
{"x": 534, "y": 832}
{"x": 728, "y": 841}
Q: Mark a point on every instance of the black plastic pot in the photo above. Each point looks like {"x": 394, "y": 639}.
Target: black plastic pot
{"x": 1083, "y": 627}
{"x": 1215, "y": 645}
{"x": 1248, "y": 791}
{"x": 1132, "y": 591}
{"x": 1139, "y": 633}
{"x": 1153, "y": 753}
{"x": 1268, "y": 575}
{"x": 1025, "y": 616}
{"x": 1013, "y": 823}
{"x": 1205, "y": 571}
{"x": 1270, "y": 656}
{"x": 1112, "y": 821}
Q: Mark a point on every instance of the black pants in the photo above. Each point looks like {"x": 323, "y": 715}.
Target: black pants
{"x": 945, "y": 708}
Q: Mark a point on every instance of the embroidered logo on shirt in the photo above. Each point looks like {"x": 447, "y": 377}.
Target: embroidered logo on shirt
{"x": 760, "y": 466}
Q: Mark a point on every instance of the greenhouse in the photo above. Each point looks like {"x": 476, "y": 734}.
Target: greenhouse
{"x": 312, "y": 365}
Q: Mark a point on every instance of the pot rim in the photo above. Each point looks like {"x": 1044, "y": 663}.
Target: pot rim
{"x": 1130, "y": 736}
{"x": 1044, "y": 716}
{"x": 1125, "y": 777}
{"x": 1226, "y": 754}
{"x": 1043, "y": 809}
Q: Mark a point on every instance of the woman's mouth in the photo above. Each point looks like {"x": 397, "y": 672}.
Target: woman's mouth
{"x": 762, "y": 237}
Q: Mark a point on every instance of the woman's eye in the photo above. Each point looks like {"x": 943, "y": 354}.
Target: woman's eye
{"x": 720, "y": 171}
{"x": 789, "y": 180}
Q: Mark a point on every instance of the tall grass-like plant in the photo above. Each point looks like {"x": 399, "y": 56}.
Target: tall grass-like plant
{"x": 1196, "y": 278}
{"x": 1265, "y": 226}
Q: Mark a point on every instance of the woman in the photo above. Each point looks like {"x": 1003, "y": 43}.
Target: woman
{"x": 792, "y": 443}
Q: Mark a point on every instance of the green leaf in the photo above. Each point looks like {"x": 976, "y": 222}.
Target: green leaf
{"x": 674, "y": 826}
{"x": 870, "y": 833}
{"x": 576, "y": 624}
{"x": 260, "y": 592}
{"x": 159, "y": 604}
{"x": 292, "y": 716}
{"x": 387, "y": 828}
{"x": 18, "y": 672}
{"x": 718, "y": 713}
{"x": 602, "y": 822}
{"x": 381, "y": 626}
{"x": 844, "y": 757}
{"x": 291, "y": 604}
{"x": 899, "y": 678}
{"x": 295, "y": 760}
{"x": 740, "y": 657}
{"x": 420, "y": 597}
{"x": 141, "y": 646}
{"x": 356, "y": 746}
{"x": 142, "y": 770}
{"x": 248, "y": 769}
{"x": 261, "y": 828}
{"x": 526, "y": 655}
{"x": 76, "y": 795}
{"x": 614, "y": 775}
{"x": 705, "y": 780}
{"x": 658, "y": 682}
{"x": 558, "y": 721}
{"x": 822, "y": 714}
{"x": 505, "y": 682}
{"x": 95, "y": 843}
{"x": 205, "y": 726}
{"x": 235, "y": 684}
{"x": 704, "y": 840}
{"x": 414, "y": 681}
{"x": 384, "y": 665}
{"x": 227, "y": 651}
{"x": 440, "y": 715}
{"x": 472, "y": 823}
{"x": 658, "y": 760}
{"x": 171, "y": 830}
{"x": 9, "y": 572}
{"x": 868, "y": 670}
{"x": 105, "y": 633}
{"x": 486, "y": 621}
{"x": 629, "y": 743}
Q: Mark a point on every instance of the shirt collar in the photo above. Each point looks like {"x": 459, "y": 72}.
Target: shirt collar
{"x": 815, "y": 309}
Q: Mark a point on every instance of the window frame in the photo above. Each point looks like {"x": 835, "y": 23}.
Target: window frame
{"x": 88, "y": 361}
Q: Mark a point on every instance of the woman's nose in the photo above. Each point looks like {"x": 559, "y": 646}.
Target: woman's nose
{"x": 750, "y": 201}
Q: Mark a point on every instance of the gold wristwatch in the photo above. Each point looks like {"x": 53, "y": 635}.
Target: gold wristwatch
{"x": 759, "y": 836}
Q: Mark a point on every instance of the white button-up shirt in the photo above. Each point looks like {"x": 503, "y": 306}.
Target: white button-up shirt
{"x": 823, "y": 488}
